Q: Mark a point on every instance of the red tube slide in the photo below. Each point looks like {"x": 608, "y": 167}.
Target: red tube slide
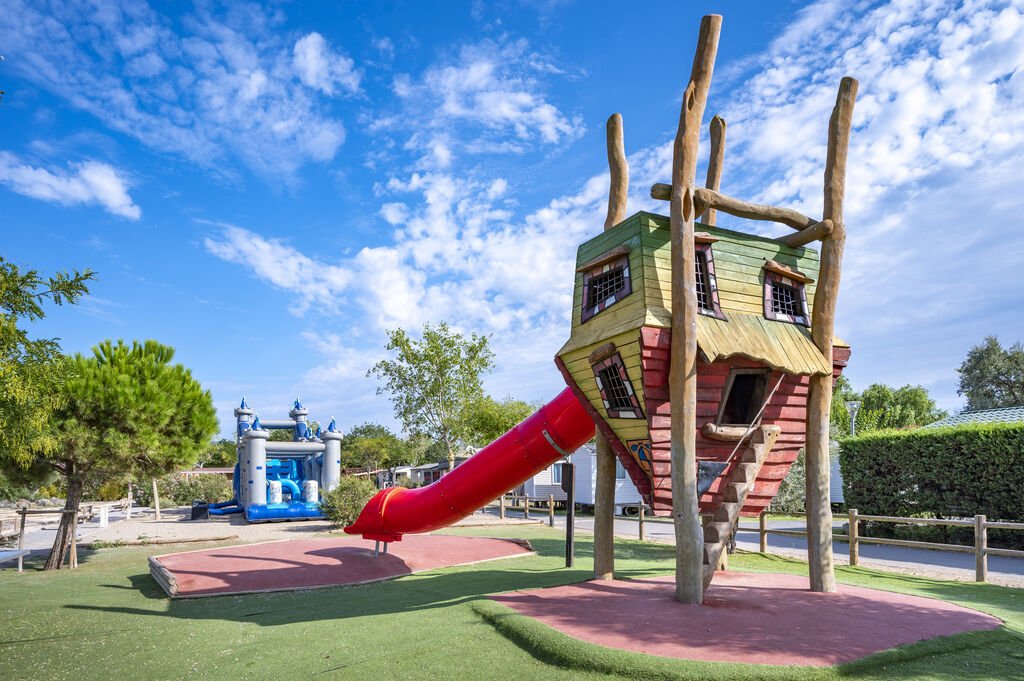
{"x": 556, "y": 429}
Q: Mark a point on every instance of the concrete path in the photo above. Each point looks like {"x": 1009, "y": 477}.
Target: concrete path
{"x": 924, "y": 562}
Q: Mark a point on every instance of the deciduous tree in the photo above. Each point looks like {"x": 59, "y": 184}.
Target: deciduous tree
{"x": 431, "y": 380}
{"x": 486, "y": 419}
{"x": 991, "y": 376}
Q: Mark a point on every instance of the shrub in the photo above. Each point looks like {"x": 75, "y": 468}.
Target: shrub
{"x": 182, "y": 491}
{"x": 790, "y": 498}
{"x": 342, "y": 504}
{"x": 937, "y": 472}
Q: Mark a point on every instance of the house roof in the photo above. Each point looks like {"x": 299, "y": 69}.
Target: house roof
{"x": 998, "y": 415}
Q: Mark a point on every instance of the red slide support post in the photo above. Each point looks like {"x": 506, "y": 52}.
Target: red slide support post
{"x": 558, "y": 428}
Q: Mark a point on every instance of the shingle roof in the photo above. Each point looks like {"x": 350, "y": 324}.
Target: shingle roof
{"x": 998, "y": 415}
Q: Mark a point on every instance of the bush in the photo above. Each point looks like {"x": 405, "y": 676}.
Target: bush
{"x": 343, "y": 503}
{"x": 181, "y": 491}
{"x": 937, "y": 472}
{"x": 790, "y": 497}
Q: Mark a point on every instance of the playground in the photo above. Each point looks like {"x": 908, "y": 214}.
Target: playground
{"x": 110, "y": 619}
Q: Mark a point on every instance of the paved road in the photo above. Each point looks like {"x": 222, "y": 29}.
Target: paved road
{"x": 39, "y": 540}
{"x": 944, "y": 564}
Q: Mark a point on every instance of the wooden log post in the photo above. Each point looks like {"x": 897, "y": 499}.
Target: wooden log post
{"x": 762, "y": 530}
{"x": 604, "y": 486}
{"x": 819, "y": 399}
{"x": 714, "y": 179}
{"x": 641, "y": 522}
{"x": 156, "y": 500}
{"x": 854, "y": 536}
{"x": 551, "y": 510}
{"x": 21, "y": 539}
{"x": 683, "y": 351}
{"x": 73, "y": 560}
{"x": 501, "y": 507}
{"x": 980, "y": 549}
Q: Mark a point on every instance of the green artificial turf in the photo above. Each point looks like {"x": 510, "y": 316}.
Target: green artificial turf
{"x": 109, "y": 620}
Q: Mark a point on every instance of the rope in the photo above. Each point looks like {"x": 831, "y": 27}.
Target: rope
{"x": 752, "y": 426}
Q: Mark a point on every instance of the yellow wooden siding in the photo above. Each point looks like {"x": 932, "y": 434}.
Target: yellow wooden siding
{"x": 628, "y": 346}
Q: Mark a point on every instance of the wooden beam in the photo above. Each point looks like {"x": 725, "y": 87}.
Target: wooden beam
{"x": 683, "y": 351}
{"x": 714, "y": 179}
{"x": 786, "y": 271}
{"x": 815, "y": 232}
{"x": 705, "y": 199}
{"x": 819, "y": 397}
{"x": 604, "y": 486}
{"x": 619, "y": 171}
{"x": 604, "y": 257}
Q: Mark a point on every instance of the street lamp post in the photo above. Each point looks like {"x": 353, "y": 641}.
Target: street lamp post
{"x": 851, "y": 408}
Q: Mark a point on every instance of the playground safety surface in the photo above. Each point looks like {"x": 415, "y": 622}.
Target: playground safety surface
{"x": 313, "y": 563}
{"x": 758, "y": 618}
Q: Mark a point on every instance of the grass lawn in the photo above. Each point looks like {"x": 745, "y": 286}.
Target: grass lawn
{"x": 109, "y": 620}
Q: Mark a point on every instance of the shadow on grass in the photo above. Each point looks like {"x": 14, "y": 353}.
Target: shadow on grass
{"x": 421, "y": 591}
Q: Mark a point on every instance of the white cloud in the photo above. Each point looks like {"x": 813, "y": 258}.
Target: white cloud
{"x": 490, "y": 98}
{"x": 224, "y": 91}
{"x": 285, "y": 267}
{"x": 395, "y": 213}
{"x": 90, "y": 182}
{"x": 321, "y": 68}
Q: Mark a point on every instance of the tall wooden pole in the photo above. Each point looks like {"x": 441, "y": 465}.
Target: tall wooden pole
{"x": 714, "y": 181}
{"x": 683, "y": 355}
{"x": 819, "y": 399}
{"x": 604, "y": 492}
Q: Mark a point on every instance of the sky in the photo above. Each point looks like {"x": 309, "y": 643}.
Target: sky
{"x": 270, "y": 188}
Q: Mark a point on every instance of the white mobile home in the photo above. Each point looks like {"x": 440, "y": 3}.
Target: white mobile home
{"x": 549, "y": 481}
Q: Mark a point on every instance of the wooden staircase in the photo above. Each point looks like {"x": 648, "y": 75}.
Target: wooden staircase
{"x": 719, "y": 527}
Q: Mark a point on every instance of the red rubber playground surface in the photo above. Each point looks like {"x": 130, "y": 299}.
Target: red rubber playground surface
{"x": 746, "y": 617}
{"x": 333, "y": 561}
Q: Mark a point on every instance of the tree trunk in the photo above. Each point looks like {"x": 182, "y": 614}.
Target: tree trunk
{"x": 451, "y": 456}
{"x": 76, "y": 487}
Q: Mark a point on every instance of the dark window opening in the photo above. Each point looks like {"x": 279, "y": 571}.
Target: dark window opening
{"x": 615, "y": 390}
{"x": 605, "y": 286}
{"x": 745, "y": 392}
{"x": 700, "y": 263}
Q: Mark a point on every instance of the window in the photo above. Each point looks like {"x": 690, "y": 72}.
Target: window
{"x": 606, "y": 281}
{"x": 556, "y": 474}
{"x": 617, "y": 394}
{"x": 620, "y": 472}
{"x": 742, "y": 397}
{"x": 704, "y": 269}
{"x": 784, "y": 297}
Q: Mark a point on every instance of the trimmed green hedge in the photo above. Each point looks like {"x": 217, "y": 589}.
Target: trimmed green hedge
{"x": 938, "y": 472}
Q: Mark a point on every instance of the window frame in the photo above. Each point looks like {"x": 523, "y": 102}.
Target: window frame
{"x": 634, "y": 411}
{"x": 773, "y": 279}
{"x": 702, "y": 248}
{"x": 604, "y": 264}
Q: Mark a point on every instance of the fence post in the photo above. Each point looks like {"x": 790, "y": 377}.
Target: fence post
{"x": 551, "y": 510}
{"x": 980, "y": 549}
{"x": 526, "y": 507}
{"x": 74, "y": 539}
{"x": 21, "y": 538}
{"x": 642, "y": 507}
{"x": 762, "y": 527}
{"x": 854, "y": 535}
{"x": 501, "y": 507}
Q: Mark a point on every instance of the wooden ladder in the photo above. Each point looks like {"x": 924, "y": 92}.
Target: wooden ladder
{"x": 718, "y": 529}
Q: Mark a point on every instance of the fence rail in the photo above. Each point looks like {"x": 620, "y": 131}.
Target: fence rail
{"x": 980, "y": 549}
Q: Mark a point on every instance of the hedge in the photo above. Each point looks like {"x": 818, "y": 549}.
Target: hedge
{"x": 952, "y": 472}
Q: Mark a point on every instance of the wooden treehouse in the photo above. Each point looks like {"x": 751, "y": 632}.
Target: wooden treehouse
{"x": 706, "y": 356}
{"x": 754, "y": 297}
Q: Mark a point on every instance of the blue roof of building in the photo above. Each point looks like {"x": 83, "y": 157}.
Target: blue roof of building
{"x": 998, "y": 415}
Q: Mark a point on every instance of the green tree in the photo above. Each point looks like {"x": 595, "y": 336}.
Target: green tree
{"x": 991, "y": 376}
{"x": 882, "y": 406}
{"x": 31, "y": 370}
{"x": 126, "y": 409}
{"x": 486, "y": 419}
{"x": 219, "y": 454}
{"x": 431, "y": 381}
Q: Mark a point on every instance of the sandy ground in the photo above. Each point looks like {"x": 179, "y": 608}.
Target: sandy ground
{"x": 175, "y": 524}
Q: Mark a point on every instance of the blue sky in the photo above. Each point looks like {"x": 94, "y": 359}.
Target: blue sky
{"x": 268, "y": 188}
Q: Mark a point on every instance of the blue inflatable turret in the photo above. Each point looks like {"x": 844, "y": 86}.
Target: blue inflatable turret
{"x": 332, "y": 427}
{"x": 243, "y": 405}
